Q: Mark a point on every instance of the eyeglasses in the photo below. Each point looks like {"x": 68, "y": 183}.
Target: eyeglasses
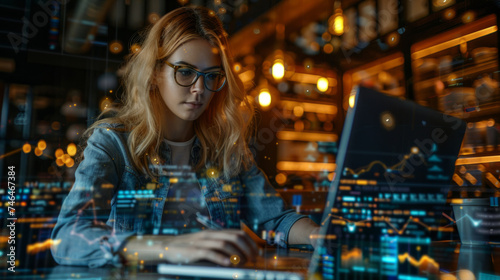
{"x": 186, "y": 76}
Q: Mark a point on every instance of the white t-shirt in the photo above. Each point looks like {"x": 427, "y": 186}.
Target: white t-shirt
{"x": 180, "y": 151}
{"x": 184, "y": 201}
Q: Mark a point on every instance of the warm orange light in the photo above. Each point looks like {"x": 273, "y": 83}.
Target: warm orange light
{"x": 264, "y": 98}
{"x": 70, "y": 162}
{"x": 278, "y": 69}
{"x": 59, "y": 153}
{"x": 378, "y": 67}
{"x": 453, "y": 42}
{"x": 26, "y": 148}
{"x": 298, "y": 111}
{"x": 310, "y": 79}
{"x": 71, "y": 149}
{"x": 115, "y": 47}
{"x": 237, "y": 67}
{"x": 135, "y": 48}
{"x": 468, "y": 17}
{"x": 306, "y": 136}
{"x": 338, "y": 24}
{"x": 328, "y": 48}
{"x": 42, "y": 145}
{"x": 304, "y": 166}
{"x": 247, "y": 76}
{"x": 311, "y": 107}
{"x": 280, "y": 178}
{"x": 352, "y": 100}
{"x": 38, "y": 152}
{"x": 449, "y": 13}
{"x": 393, "y": 39}
{"x": 153, "y": 17}
{"x": 105, "y": 104}
{"x": 322, "y": 84}
{"x": 477, "y": 160}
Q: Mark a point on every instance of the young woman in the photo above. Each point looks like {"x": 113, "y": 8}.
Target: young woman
{"x": 183, "y": 105}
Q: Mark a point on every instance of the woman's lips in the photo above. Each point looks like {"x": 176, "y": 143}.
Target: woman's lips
{"x": 193, "y": 105}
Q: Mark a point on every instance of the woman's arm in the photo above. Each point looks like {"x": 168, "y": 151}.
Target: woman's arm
{"x": 304, "y": 231}
{"x": 81, "y": 233}
{"x": 264, "y": 209}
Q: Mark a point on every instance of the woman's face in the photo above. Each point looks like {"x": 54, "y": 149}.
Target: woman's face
{"x": 188, "y": 103}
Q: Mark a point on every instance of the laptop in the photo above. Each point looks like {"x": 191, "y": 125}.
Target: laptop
{"x": 388, "y": 198}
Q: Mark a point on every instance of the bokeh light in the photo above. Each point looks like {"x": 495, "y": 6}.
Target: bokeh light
{"x": 278, "y": 70}
{"x": 42, "y": 145}
{"x": 59, "y": 153}
{"x": 26, "y": 148}
{"x": 264, "y": 98}
{"x": 71, "y": 149}
{"x": 116, "y": 47}
{"x": 322, "y": 84}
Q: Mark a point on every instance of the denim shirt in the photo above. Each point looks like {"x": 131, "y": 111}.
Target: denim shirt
{"x": 92, "y": 227}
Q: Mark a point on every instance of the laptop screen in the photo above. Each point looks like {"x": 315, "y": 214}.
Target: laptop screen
{"x": 387, "y": 201}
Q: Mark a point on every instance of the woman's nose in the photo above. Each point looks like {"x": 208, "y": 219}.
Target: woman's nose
{"x": 199, "y": 85}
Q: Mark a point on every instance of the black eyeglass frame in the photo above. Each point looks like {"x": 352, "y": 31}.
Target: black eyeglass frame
{"x": 198, "y": 74}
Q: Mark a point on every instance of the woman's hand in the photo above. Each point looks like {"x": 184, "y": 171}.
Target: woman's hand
{"x": 222, "y": 247}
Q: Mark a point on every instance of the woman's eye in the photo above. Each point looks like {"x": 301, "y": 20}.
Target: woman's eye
{"x": 212, "y": 76}
{"x": 185, "y": 72}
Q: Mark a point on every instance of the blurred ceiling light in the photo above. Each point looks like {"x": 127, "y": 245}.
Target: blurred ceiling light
{"x": 135, "y": 48}
{"x": 468, "y": 17}
{"x": 449, "y": 13}
{"x": 328, "y": 48}
{"x": 237, "y": 67}
{"x": 56, "y": 125}
{"x": 116, "y": 47}
{"x": 42, "y": 145}
{"x": 264, "y": 98}
{"x": 393, "y": 39}
{"x": 26, "y": 148}
{"x": 322, "y": 84}
{"x": 311, "y": 107}
{"x": 280, "y": 178}
{"x": 442, "y": 3}
{"x": 70, "y": 162}
{"x": 105, "y": 104}
{"x": 153, "y": 17}
{"x": 326, "y": 37}
{"x": 299, "y": 125}
{"x": 71, "y": 149}
{"x": 305, "y": 166}
{"x": 298, "y": 111}
{"x": 306, "y": 136}
{"x": 59, "y": 153}
{"x": 336, "y": 21}
{"x": 278, "y": 69}
{"x": 38, "y": 152}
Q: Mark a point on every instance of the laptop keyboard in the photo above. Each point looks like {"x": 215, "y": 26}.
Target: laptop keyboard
{"x": 226, "y": 273}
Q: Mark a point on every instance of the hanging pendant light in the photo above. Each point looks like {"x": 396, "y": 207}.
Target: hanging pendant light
{"x": 336, "y": 21}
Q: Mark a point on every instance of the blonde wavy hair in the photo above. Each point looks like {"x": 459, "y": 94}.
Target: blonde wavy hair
{"x": 223, "y": 129}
